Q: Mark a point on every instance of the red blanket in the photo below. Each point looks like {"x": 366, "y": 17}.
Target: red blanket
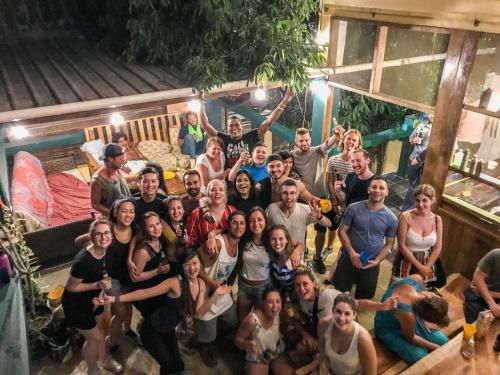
{"x": 71, "y": 198}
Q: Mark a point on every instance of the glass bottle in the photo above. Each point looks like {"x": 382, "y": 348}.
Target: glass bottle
{"x": 467, "y": 347}
{"x": 483, "y": 323}
{"x": 178, "y": 165}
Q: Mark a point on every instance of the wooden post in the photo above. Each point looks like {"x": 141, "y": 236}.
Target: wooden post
{"x": 378, "y": 59}
{"x": 456, "y": 71}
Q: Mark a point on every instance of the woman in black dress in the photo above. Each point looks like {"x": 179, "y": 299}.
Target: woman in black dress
{"x": 88, "y": 277}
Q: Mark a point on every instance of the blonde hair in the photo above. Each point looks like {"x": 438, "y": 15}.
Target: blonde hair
{"x": 211, "y": 184}
{"x": 213, "y": 140}
{"x": 301, "y": 131}
{"x": 304, "y": 271}
{"x": 426, "y": 190}
{"x": 351, "y": 131}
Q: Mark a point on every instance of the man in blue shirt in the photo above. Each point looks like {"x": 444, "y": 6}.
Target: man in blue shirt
{"x": 367, "y": 227}
{"x": 255, "y": 164}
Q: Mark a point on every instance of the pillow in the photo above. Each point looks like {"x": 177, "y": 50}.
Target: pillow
{"x": 76, "y": 173}
{"x": 58, "y": 165}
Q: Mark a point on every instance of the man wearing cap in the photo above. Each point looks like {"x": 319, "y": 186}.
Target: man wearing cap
{"x": 108, "y": 184}
{"x": 236, "y": 141}
{"x": 270, "y": 186}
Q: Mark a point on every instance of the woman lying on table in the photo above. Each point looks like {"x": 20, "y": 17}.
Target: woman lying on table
{"x": 412, "y": 330}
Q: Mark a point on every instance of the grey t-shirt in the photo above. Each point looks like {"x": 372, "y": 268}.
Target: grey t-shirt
{"x": 310, "y": 167}
{"x": 490, "y": 265}
{"x": 425, "y": 129}
{"x": 368, "y": 229}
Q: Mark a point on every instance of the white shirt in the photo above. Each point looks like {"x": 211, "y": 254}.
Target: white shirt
{"x": 297, "y": 222}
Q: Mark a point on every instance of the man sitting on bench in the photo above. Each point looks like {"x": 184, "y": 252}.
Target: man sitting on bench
{"x": 484, "y": 291}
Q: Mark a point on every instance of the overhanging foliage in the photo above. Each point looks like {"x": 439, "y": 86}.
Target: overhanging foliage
{"x": 217, "y": 41}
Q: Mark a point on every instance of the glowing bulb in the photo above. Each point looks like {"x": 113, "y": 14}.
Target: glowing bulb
{"x": 18, "y": 132}
{"x": 260, "y": 94}
{"x": 194, "y": 105}
{"x": 116, "y": 119}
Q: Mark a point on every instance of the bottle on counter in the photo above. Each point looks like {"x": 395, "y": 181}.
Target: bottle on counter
{"x": 479, "y": 168}
{"x": 473, "y": 164}
{"x": 467, "y": 347}
{"x": 457, "y": 158}
{"x": 465, "y": 159}
{"x": 483, "y": 323}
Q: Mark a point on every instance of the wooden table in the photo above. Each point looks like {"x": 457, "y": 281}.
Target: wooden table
{"x": 449, "y": 360}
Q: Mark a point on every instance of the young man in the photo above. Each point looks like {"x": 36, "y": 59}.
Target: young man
{"x": 270, "y": 187}
{"x": 192, "y": 184}
{"x": 108, "y": 184}
{"x": 367, "y": 227}
{"x": 148, "y": 199}
{"x": 355, "y": 186}
{"x": 255, "y": 164}
{"x": 295, "y": 216}
{"x": 236, "y": 141}
{"x": 191, "y": 135}
{"x": 217, "y": 267}
{"x": 419, "y": 138}
{"x": 484, "y": 292}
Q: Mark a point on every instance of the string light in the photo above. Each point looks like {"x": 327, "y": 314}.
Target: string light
{"x": 194, "y": 105}
{"x": 260, "y": 94}
{"x": 116, "y": 119}
{"x": 18, "y": 132}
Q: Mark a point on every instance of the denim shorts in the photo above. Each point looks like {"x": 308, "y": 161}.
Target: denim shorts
{"x": 253, "y": 291}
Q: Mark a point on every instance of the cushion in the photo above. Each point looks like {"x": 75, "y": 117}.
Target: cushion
{"x": 59, "y": 165}
{"x": 95, "y": 149}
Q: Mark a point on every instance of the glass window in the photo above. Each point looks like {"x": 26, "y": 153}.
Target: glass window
{"x": 413, "y": 64}
{"x": 484, "y": 83}
{"x": 355, "y": 45}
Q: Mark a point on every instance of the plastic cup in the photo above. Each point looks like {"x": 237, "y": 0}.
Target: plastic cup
{"x": 469, "y": 331}
{"x": 324, "y": 205}
{"x": 364, "y": 257}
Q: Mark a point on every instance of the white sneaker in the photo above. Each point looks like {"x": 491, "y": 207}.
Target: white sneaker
{"x": 111, "y": 365}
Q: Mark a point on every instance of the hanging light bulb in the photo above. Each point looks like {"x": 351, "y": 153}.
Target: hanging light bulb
{"x": 116, "y": 119}
{"x": 18, "y": 132}
{"x": 260, "y": 94}
{"x": 194, "y": 105}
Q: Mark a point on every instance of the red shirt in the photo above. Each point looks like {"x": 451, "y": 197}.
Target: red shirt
{"x": 198, "y": 228}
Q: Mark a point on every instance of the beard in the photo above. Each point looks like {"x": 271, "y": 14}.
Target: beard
{"x": 193, "y": 192}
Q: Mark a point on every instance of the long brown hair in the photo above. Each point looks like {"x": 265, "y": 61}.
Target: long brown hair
{"x": 142, "y": 236}
{"x": 288, "y": 248}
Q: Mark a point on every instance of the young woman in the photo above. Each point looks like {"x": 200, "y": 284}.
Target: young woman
{"x": 174, "y": 232}
{"x": 149, "y": 256}
{"x": 208, "y": 221}
{"x": 211, "y": 164}
{"x": 259, "y": 335}
{"x": 420, "y": 235}
{"x": 288, "y": 169}
{"x": 282, "y": 267}
{"x": 182, "y": 296}
{"x": 244, "y": 196}
{"x": 345, "y": 347}
{"x": 254, "y": 264}
{"x": 412, "y": 330}
{"x": 317, "y": 303}
{"x": 87, "y": 279}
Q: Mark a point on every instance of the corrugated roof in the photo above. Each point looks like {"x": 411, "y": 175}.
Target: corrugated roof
{"x": 51, "y": 71}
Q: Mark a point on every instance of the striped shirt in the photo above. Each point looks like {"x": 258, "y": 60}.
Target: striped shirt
{"x": 282, "y": 275}
{"x": 198, "y": 228}
{"x": 338, "y": 166}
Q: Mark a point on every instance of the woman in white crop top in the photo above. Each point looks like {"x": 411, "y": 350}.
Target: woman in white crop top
{"x": 420, "y": 239}
{"x": 345, "y": 347}
{"x": 260, "y": 337}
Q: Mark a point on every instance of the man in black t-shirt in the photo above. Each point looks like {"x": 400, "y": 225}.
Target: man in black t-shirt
{"x": 148, "y": 199}
{"x": 355, "y": 186}
{"x": 236, "y": 140}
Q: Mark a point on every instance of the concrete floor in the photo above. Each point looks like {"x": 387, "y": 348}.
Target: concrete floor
{"x": 231, "y": 361}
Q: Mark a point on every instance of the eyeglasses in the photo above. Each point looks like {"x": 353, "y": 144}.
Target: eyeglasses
{"x": 101, "y": 234}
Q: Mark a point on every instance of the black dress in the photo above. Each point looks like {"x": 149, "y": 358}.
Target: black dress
{"x": 78, "y": 308}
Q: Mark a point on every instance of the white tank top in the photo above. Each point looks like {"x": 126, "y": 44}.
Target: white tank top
{"x": 347, "y": 363}
{"x": 220, "y": 270}
{"x": 416, "y": 242}
{"x": 255, "y": 262}
{"x": 268, "y": 339}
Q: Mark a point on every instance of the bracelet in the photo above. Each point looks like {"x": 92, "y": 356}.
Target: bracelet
{"x": 280, "y": 107}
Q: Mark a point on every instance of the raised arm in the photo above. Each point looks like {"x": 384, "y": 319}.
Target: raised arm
{"x": 205, "y": 124}
{"x": 275, "y": 115}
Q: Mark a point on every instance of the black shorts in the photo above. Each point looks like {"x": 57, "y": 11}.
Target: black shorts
{"x": 84, "y": 319}
{"x": 346, "y": 275}
{"x": 331, "y": 215}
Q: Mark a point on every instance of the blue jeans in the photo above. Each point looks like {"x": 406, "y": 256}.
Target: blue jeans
{"x": 192, "y": 148}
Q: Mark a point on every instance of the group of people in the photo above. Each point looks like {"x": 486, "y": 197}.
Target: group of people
{"x": 244, "y": 217}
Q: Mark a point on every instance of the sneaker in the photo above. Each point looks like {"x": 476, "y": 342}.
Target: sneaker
{"x": 327, "y": 251}
{"x": 111, "y": 365}
{"x": 208, "y": 356}
{"x": 131, "y": 334}
{"x": 319, "y": 266}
